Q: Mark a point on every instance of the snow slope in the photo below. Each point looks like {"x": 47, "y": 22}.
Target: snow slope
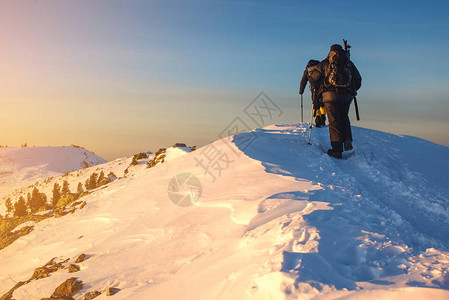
{"x": 20, "y": 167}
{"x": 272, "y": 218}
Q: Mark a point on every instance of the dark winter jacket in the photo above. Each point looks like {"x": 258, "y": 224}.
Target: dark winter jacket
{"x": 329, "y": 94}
{"x": 312, "y": 81}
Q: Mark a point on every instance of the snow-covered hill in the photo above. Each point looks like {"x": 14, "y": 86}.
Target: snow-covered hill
{"x": 21, "y": 167}
{"x": 261, "y": 215}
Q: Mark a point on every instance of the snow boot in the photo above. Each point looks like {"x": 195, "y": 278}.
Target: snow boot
{"x": 348, "y": 145}
{"x": 333, "y": 153}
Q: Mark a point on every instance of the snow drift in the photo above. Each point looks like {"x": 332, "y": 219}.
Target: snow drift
{"x": 270, "y": 218}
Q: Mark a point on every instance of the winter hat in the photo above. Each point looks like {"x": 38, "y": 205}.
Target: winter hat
{"x": 336, "y": 47}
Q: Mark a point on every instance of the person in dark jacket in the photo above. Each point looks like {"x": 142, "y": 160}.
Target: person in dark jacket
{"x": 312, "y": 76}
{"x": 340, "y": 81}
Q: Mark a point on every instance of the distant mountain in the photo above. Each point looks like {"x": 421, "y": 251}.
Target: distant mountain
{"x": 260, "y": 215}
{"x": 20, "y": 167}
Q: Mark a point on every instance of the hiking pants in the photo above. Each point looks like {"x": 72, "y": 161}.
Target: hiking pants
{"x": 339, "y": 124}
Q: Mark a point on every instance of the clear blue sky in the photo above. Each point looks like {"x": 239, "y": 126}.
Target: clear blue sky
{"x": 118, "y": 77}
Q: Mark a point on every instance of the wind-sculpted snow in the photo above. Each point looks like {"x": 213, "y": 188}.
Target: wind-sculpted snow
{"x": 389, "y": 199}
{"x": 275, "y": 219}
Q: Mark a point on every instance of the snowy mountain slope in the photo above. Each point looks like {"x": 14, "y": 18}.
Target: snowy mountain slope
{"x": 20, "y": 167}
{"x": 272, "y": 219}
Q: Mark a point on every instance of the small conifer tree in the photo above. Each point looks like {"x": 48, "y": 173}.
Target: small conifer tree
{"x": 9, "y": 206}
{"x": 65, "y": 187}
{"x": 37, "y": 201}
{"x": 91, "y": 183}
{"x": 101, "y": 176}
{"x": 56, "y": 194}
{"x": 20, "y": 207}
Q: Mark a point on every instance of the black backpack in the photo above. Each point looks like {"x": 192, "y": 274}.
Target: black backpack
{"x": 339, "y": 76}
{"x": 313, "y": 75}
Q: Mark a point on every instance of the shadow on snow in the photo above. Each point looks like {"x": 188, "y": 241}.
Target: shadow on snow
{"x": 387, "y": 194}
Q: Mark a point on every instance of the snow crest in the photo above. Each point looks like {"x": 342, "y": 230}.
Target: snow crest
{"x": 277, "y": 219}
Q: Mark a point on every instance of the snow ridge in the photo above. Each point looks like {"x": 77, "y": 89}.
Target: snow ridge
{"x": 278, "y": 220}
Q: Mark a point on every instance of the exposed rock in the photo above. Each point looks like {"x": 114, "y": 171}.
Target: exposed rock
{"x": 81, "y": 258}
{"x": 66, "y": 199}
{"x": 10, "y": 237}
{"x": 7, "y": 236}
{"x": 44, "y": 271}
{"x": 62, "y": 211}
{"x": 112, "y": 291}
{"x": 73, "y": 268}
{"x": 159, "y": 157}
{"x": 140, "y": 155}
{"x": 8, "y": 295}
{"x": 41, "y": 272}
{"x": 161, "y": 150}
{"x": 179, "y": 145}
{"x": 67, "y": 289}
{"x": 91, "y": 295}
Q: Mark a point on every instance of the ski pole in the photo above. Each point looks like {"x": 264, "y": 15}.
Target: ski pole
{"x": 302, "y": 111}
{"x": 310, "y": 128}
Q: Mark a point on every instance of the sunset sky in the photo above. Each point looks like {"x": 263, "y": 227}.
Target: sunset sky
{"x": 120, "y": 77}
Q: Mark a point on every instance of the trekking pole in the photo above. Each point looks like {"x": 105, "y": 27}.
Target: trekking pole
{"x": 302, "y": 111}
{"x": 310, "y": 128}
{"x": 356, "y": 109}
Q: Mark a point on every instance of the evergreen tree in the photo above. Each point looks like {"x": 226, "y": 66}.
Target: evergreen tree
{"x": 9, "y": 206}
{"x": 91, "y": 183}
{"x": 80, "y": 188}
{"x": 101, "y": 176}
{"x": 56, "y": 194}
{"x": 20, "y": 208}
{"x": 65, "y": 187}
{"x": 37, "y": 201}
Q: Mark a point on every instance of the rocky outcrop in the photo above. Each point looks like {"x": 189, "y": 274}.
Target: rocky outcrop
{"x": 41, "y": 272}
{"x": 67, "y": 289}
{"x": 179, "y": 145}
{"x": 81, "y": 258}
{"x": 159, "y": 157}
{"x": 7, "y": 233}
{"x": 8, "y": 295}
{"x": 47, "y": 269}
{"x": 112, "y": 291}
{"x": 91, "y": 295}
{"x": 73, "y": 268}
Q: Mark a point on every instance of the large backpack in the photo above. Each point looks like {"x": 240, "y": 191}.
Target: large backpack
{"x": 339, "y": 76}
{"x": 313, "y": 75}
